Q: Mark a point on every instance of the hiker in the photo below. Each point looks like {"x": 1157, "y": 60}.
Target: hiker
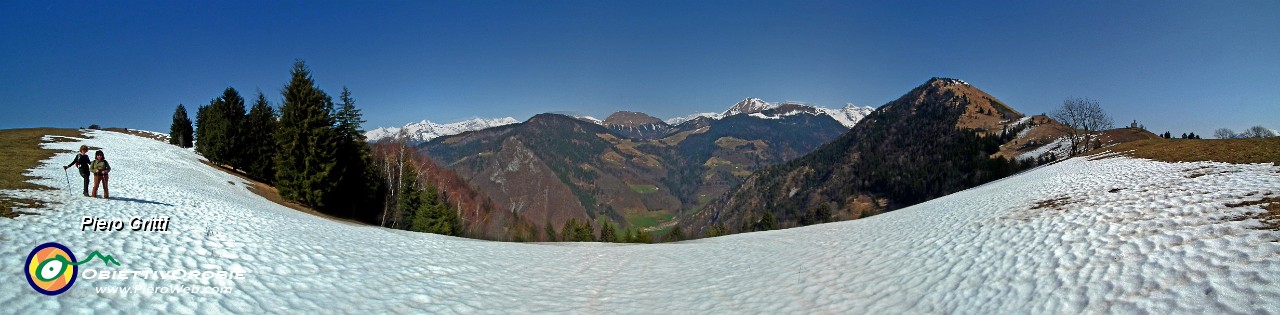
{"x": 100, "y": 168}
{"x": 82, "y": 160}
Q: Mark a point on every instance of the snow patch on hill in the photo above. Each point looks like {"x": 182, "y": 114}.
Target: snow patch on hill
{"x": 1080, "y": 236}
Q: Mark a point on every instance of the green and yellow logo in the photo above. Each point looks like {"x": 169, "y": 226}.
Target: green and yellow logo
{"x": 52, "y": 268}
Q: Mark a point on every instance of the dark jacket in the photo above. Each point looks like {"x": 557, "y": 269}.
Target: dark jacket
{"x": 81, "y": 160}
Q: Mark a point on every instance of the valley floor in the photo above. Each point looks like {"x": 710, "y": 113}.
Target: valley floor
{"x": 1107, "y": 235}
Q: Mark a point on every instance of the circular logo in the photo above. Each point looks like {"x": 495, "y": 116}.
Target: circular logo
{"x": 50, "y": 268}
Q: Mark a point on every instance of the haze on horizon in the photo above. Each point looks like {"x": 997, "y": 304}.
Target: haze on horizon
{"x": 1177, "y": 66}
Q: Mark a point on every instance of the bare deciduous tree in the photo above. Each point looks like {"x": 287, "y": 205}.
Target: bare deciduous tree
{"x": 1257, "y": 132}
{"x": 393, "y": 173}
{"x": 1083, "y": 118}
{"x": 1224, "y": 133}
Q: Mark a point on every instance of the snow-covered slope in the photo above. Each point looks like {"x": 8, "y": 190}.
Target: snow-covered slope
{"x": 1115, "y": 235}
{"x": 426, "y": 130}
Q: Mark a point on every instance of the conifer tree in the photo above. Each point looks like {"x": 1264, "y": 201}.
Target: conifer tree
{"x": 567, "y": 231}
{"x": 550, "y": 232}
{"x": 410, "y": 199}
{"x": 259, "y": 142}
{"x": 768, "y": 222}
{"x": 180, "y": 132}
{"x": 201, "y": 133}
{"x": 434, "y": 216}
{"x": 586, "y": 233}
{"x": 222, "y": 135}
{"x": 607, "y": 233}
{"x": 354, "y": 187}
{"x": 675, "y": 235}
{"x": 306, "y": 167}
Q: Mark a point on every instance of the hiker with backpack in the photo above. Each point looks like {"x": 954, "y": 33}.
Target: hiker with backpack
{"x": 82, "y": 161}
{"x": 100, "y": 169}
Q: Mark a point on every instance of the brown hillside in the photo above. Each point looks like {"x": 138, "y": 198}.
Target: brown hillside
{"x": 1256, "y": 150}
{"x": 625, "y": 118}
{"x": 1042, "y": 130}
{"x": 19, "y": 151}
{"x": 983, "y": 112}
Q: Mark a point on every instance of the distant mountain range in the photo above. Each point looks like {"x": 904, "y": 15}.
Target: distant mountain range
{"x": 755, "y": 166}
{"x": 425, "y": 130}
{"x": 631, "y": 169}
{"x": 628, "y": 123}
{"x": 848, "y": 116}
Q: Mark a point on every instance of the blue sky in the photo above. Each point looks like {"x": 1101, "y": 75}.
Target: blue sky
{"x": 1173, "y": 65}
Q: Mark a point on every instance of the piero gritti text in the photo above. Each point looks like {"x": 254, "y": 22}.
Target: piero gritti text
{"x": 137, "y": 224}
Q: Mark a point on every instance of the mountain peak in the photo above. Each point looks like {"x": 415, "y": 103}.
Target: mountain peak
{"x": 748, "y": 105}
{"x": 977, "y": 109}
{"x": 940, "y": 81}
{"x": 637, "y": 125}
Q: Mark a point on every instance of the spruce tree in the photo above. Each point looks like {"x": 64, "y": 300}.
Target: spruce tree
{"x": 203, "y": 127}
{"x": 768, "y": 222}
{"x": 675, "y": 235}
{"x": 566, "y": 231}
{"x": 225, "y": 120}
{"x": 259, "y": 142}
{"x": 305, "y": 165}
{"x": 551, "y": 231}
{"x": 586, "y": 233}
{"x": 607, "y": 233}
{"x": 434, "y": 216}
{"x": 181, "y": 131}
{"x": 353, "y": 159}
{"x": 410, "y": 200}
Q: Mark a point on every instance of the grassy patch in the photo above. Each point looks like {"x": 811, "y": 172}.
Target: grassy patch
{"x": 1055, "y": 203}
{"x": 1257, "y": 150}
{"x": 19, "y": 151}
{"x": 705, "y": 198}
{"x": 1271, "y": 218}
{"x": 643, "y": 188}
{"x": 730, "y": 143}
{"x": 644, "y": 219}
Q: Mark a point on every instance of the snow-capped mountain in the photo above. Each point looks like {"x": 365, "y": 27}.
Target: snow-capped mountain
{"x": 848, "y": 116}
{"x": 425, "y": 130}
{"x": 748, "y": 106}
{"x": 589, "y": 119}
{"x": 678, "y": 120}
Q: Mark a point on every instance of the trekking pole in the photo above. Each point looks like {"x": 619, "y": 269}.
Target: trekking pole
{"x": 68, "y": 178}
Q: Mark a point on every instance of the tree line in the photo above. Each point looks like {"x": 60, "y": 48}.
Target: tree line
{"x": 1252, "y": 132}
{"x": 312, "y": 149}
